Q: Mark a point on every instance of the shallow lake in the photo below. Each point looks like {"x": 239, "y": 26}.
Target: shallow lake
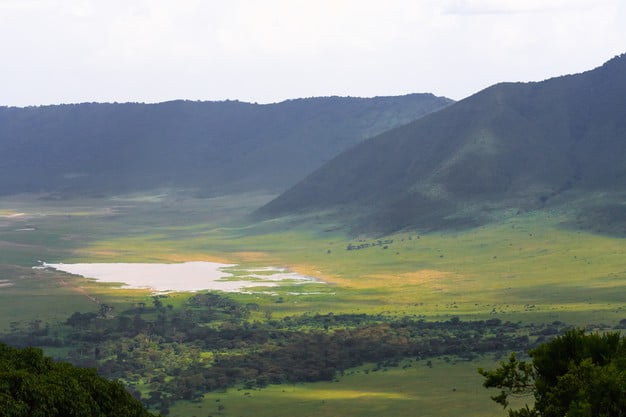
{"x": 187, "y": 276}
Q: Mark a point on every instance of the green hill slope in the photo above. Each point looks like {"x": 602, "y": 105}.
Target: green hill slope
{"x": 510, "y": 146}
{"x": 218, "y": 147}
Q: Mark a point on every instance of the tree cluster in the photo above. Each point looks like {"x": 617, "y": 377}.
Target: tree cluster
{"x": 32, "y": 385}
{"x": 212, "y": 343}
{"x": 574, "y": 375}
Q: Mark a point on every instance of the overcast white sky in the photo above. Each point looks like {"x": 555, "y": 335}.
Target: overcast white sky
{"x": 67, "y": 51}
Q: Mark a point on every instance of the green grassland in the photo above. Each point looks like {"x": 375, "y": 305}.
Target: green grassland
{"x": 523, "y": 267}
{"x": 530, "y": 267}
{"x": 445, "y": 389}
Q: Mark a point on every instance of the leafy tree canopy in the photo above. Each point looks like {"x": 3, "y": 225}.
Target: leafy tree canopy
{"x": 33, "y": 385}
{"x": 574, "y": 375}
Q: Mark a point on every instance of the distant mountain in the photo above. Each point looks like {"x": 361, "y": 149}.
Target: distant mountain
{"x": 510, "y": 146}
{"x": 217, "y": 147}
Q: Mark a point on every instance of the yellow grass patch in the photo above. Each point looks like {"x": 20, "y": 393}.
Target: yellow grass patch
{"x": 251, "y": 256}
{"x": 97, "y": 252}
{"x": 424, "y": 277}
{"x": 343, "y": 394}
{"x": 192, "y": 257}
{"x": 10, "y": 213}
{"x": 430, "y": 278}
{"x": 313, "y": 271}
{"x": 156, "y": 254}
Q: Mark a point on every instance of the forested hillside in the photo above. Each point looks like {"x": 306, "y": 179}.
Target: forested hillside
{"x": 214, "y": 147}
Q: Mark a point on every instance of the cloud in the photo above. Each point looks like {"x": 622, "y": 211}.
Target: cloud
{"x": 154, "y": 50}
{"x": 484, "y": 7}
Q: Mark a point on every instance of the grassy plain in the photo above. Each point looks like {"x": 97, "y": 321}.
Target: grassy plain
{"x": 524, "y": 267}
{"x": 446, "y": 389}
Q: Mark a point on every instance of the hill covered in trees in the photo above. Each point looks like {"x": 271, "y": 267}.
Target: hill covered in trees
{"x": 214, "y": 147}
{"x": 512, "y": 146}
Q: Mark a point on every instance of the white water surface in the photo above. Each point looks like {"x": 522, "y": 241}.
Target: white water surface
{"x": 187, "y": 276}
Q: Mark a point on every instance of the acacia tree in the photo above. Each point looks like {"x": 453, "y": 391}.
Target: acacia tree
{"x": 574, "y": 375}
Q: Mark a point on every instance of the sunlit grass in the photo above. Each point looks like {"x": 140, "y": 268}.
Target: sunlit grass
{"x": 445, "y": 389}
{"x": 524, "y": 265}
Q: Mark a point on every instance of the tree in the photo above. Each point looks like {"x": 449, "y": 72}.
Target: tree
{"x": 105, "y": 310}
{"x": 81, "y": 320}
{"x": 574, "y": 375}
{"x": 158, "y": 304}
{"x": 34, "y": 385}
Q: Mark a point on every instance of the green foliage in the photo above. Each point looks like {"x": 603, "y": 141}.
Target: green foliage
{"x": 32, "y": 385}
{"x": 513, "y": 377}
{"x": 210, "y": 344}
{"x": 574, "y": 375}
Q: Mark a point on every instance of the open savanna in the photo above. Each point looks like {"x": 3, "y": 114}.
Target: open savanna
{"x": 528, "y": 267}
{"x": 33, "y": 229}
{"x": 531, "y": 267}
{"x": 446, "y": 388}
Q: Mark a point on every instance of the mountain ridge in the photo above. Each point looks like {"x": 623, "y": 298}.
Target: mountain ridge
{"x": 217, "y": 147}
{"x": 509, "y": 146}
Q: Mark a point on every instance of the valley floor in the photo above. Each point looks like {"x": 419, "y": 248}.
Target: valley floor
{"x": 446, "y": 388}
{"x": 529, "y": 268}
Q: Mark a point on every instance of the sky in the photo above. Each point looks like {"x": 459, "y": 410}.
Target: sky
{"x": 71, "y": 51}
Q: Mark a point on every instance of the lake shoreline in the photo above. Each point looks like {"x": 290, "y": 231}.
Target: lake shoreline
{"x": 189, "y": 276}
